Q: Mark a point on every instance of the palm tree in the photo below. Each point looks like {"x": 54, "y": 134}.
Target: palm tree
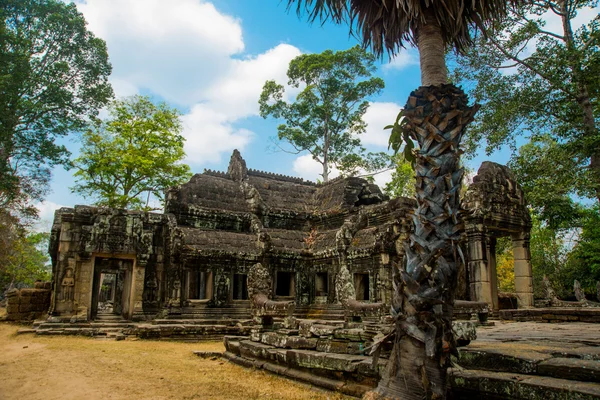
{"x": 435, "y": 117}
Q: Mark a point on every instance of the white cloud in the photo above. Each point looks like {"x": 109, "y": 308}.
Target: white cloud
{"x": 404, "y": 59}
{"x": 209, "y": 126}
{"x": 172, "y": 48}
{"x": 378, "y": 115}
{"x": 306, "y": 167}
{"x": 182, "y": 51}
{"x": 46, "y": 213}
{"x": 237, "y": 92}
{"x": 209, "y": 133}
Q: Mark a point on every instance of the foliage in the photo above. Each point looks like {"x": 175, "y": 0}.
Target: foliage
{"x": 402, "y": 182}
{"x": 53, "y": 76}
{"x": 138, "y": 150}
{"x": 549, "y": 254}
{"x": 391, "y": 25}
{"x": 584, "y": 259}
{"x": 505, "y": 265}
{"x": 326, "y": 117}
{"x": 23, "y": 255}
{"x": 541, "y": 85}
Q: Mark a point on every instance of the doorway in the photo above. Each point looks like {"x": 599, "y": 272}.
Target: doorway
{"x": 111, "y": 290}
{"x": 361, "y": 285}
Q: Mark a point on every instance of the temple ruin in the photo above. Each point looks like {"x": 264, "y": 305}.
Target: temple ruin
{"x": 197, "y": 255}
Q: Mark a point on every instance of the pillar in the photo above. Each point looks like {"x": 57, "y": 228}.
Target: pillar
{"x": 478, "y": 268}
{"x": 491, "y": 256}
{"x": 523, "y": 273}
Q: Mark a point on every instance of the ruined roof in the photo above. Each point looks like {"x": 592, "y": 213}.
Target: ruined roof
{"x": 496, "y": 197}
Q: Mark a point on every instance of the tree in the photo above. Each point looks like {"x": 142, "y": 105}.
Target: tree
{"x": 541, "y": 84}
{"x": 435, "y": 117}
{"x": 401, "y": 184}
{"x": 138, "y": 150}
{"x": 53, "y": 77}
{"x": 23, "y": 254}
{"x": 326, "y": 117}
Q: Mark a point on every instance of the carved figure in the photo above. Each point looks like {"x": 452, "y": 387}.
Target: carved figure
{"x": 579, "y": 295}
{"x": 67, "y": 285}
{"x": 151, "y": 288}
{"x": 176, "y": 294}
{"x": 260, "y": 291}
{"x": 549, "y": 292}
{"x": 222, "y": 290}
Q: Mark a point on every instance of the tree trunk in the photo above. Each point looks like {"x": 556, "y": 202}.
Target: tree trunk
{"x": 583, "y": 97}
{"x": 432, "y": 52}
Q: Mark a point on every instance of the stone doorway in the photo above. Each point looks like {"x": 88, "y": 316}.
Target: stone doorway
{"x": 361, "y": 286}
{"x": 199, "y": 285}
{"x": 284, "y": 284}
{"x": 240, "y": 287}
{"x": 111, "y": 292}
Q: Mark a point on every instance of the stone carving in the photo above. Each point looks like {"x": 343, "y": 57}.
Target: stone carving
{"x": 579, "y": 295}
{"x": 151, "y": 292}
{"x": 68, "y": 285}
{"x": 260, "y": 291}
{"x": 222, "y": 292}
{"x": 237, "y": 167}
{"x": 549, "y": 293}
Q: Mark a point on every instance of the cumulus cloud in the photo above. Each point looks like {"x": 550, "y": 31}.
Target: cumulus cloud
{"x": 379, "y": 115}
{"x": 404, "y": 59}
{"x": 46, "y": 213}
{"x": 306, "y": 167}
{"x": 173, "y": 49}
{"x": 184, "y": 52}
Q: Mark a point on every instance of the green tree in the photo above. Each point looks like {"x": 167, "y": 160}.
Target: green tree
{"x": 402, "y": 182}
{"x": 23, "y": 254}
{"x": 326, "y": 117}
{"x": 133, "y": 155}
{"x": 541, "y": 85}
{"x": 584, "y": 260}
{"x": 53, "y": 77}
{"x": 434, "y": 117}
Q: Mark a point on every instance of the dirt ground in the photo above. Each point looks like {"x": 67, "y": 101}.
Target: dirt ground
{"x": 35, "y": 367}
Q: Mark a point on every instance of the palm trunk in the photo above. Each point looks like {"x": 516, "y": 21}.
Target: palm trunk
{"x": 436, "y": 116}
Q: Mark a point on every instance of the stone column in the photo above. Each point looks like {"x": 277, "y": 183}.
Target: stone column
{"x": 491, "y": 256}
{"x": 523, "y": 273}
{"x": 478, "y": 269}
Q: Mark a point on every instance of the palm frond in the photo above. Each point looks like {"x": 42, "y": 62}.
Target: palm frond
{"x": 389, "y": 25}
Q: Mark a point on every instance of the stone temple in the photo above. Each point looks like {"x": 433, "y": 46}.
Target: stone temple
{"x": 197, "y": 255}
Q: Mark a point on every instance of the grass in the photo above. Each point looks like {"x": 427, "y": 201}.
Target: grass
{"x": 66, "y": 367}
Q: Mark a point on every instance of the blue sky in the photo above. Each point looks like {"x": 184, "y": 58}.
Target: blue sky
{"x": 210, "y": 59}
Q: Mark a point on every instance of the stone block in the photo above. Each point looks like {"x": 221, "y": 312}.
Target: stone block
{"x": 12, "y": 308}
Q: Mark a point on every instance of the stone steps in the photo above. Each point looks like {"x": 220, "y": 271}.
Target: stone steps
{"x": 520, "y": 370}
{"x": 480, "y": 384}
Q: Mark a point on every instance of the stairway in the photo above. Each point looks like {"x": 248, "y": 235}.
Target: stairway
{"x": 517, "y": 370}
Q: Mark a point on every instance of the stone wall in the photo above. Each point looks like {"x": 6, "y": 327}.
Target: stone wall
{"x": 28, "y": 304}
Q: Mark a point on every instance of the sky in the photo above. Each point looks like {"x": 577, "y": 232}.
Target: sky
{"x": 210, "y": 60}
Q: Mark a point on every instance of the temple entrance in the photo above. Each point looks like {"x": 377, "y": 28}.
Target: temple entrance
{"x": 284, "y": 284}
{"x": 111, "y": 288}
{"x": 321, "y": 284}
{"x": 240, "y": 287}
{"x": 199, "y": 285}
{"x": 361, "y": 286}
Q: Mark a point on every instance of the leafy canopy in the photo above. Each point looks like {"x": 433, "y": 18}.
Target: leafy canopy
{"x": 541, "y": 87}
{"x": 134, "y": 154}
{"x": 53, "y": 77}
{"x": 23, "y": 254}
{"x": 326, "y": 117}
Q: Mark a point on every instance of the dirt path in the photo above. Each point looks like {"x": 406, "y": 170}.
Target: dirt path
{"x": 33, "y": 367}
